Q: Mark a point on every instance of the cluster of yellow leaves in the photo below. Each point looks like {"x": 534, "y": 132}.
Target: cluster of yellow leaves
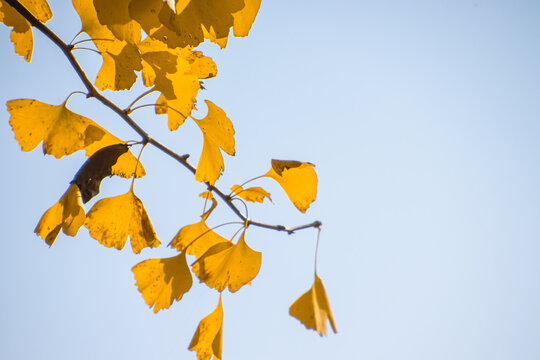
{"x": 21, "y": 35}
{"x": 169, "y": 65}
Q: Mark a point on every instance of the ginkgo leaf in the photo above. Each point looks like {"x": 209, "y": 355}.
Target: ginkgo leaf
{"x": 96, "y": 168}
{"x": 112, "y": 220}
{"x": 253, "y": 194}
{"x": 179, "y": 87}
{"x": 64, "y": 132}
{"x": 208, "y": 339}
{"x": 298, "y": 179}
{"x": 243, "y": 19}
{"x": 118, "y": 69}
{"x": 196, "y": 239}
{"x": 115, "y": 15}
{"x": 161, "y": 281}
{"x": 120, "y": 58}
{"x": 21, "y": 35}
{"x": 218, "y": 132}
{"x": 67, "y": 215}
{"x": 197, "y": 14}
{"x": 226, "y": 265}
{"x": 313, "y": 309}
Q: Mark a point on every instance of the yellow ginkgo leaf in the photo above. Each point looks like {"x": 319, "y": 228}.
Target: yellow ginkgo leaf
{"x": 67, "y": 214}
{"x": 64, "y": 132}
{"x": 243, "y": 19}
{"x": 115, "y": 15}
{"x": 189, "y": 22}
{"x": 112, "y": 220}
{"x": 226, "y": 265}
{"x": 313, "y": 309}
{"x": 298, "y": 179}
{"x": 253, "y": 194}
{"x": 196, "y": 239}
{"x": 179, "y": 88}
{"x": 218, "y": 133}
{"x": 161, "y": 281}
{"x": 208, "y": 339}
{"x": 120, "y": 58}
{"x": 21, "y": 35}
{"x": 118, "y": 69}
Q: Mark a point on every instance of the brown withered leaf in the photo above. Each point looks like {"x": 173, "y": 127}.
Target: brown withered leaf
{"x": 96, "y": 168}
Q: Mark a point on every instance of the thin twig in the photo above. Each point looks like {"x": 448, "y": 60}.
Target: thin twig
{"x": 146, "y": 138}
{"x": 85, "y": 48}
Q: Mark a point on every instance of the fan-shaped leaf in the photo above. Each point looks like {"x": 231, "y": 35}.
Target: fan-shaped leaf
{"x": 112, "y": 220}
{"x": 67, "y": 214}
{"x": 161, "y": 281}
{"x": 226, "y": 265}
{"x": 313, "y": 309}
{"x": 218, "y": 133}
{"x": 21, "y": 35}
{"x": 208, "y": 339}
{"x": 253, "y": 194}
{"x": 298, "y": 179}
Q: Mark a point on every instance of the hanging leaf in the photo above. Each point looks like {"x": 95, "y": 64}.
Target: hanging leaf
{"x": 161, "y": 281}
{"x": 226, "y": 265}
{"x": 313, "y": 309}
{"x": 64, "y": 132}
{"x": 21, "y": 35}
{"x": 253, "y": 194}
{"x": 67, "y": 215}
{"x": 208, "y": 339}
{"x": 218, "y": 132}
{"x": 96, "y": 168}
{"x": 112, "y": 220}
{"x": 298, "y": 179}
{"x": 196, "y": 239}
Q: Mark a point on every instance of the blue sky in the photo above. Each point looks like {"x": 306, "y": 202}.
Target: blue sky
{"x": 423, "y": 120}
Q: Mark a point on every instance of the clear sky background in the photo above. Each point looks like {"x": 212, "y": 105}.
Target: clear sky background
{"x": 423, "y": 119}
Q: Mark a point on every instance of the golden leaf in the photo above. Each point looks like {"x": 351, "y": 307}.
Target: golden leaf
{"x": 176, "y": 74}
{"x": 253, "y": 194}
{"x": 115, "y": 15}
{"x": 161, "y": 281}
{"x": 298, "y": 179}
{"x": 64, "y": 132}
{"x": 313, "y": 309}
{"x": 226, "y": 265}
{"x": 112, "y": 220}
{"x": 67, "y": 214}
{"x": 196, "y": 239}
{"x": 243, "y": 19}
{"x": 218, "y": 133}
{"x": 208, "y": 339}
{"x": 21, "y": 35}
{"x": 120, "y": 58}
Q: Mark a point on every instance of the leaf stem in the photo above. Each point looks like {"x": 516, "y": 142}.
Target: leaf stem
{"x": 128, "y": 109}
{"x": 85, "y": 48}
{"x": 88, "y": 40}
{"x": 73, "y": 93}
{"x": 75, "y": 37}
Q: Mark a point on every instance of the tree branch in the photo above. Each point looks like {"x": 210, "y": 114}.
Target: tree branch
{"x": 146, "y": 138}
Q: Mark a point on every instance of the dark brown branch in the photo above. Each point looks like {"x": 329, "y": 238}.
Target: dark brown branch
{"x": 146, "y": 138}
